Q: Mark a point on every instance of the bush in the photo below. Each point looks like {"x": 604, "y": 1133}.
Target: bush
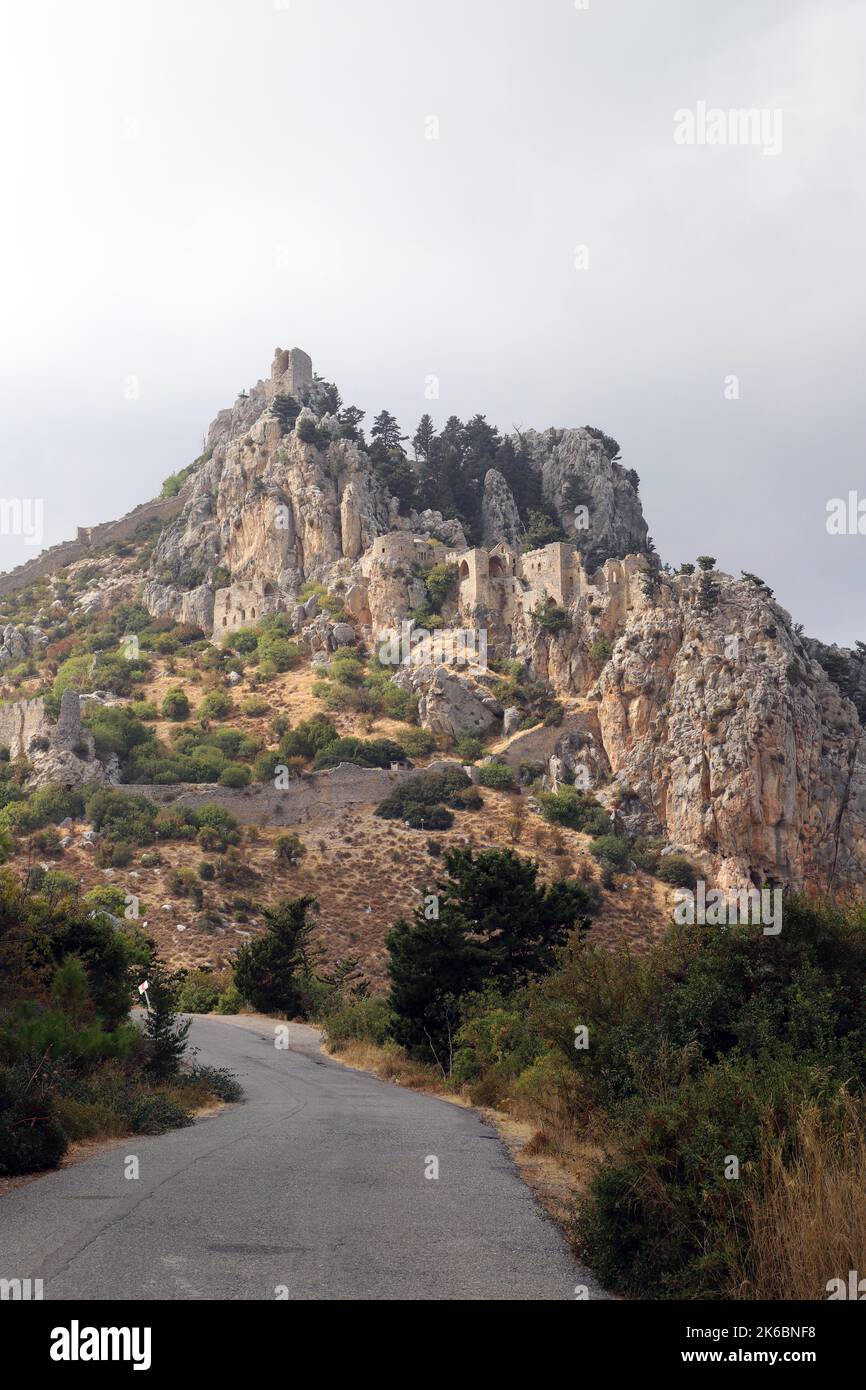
{"x": 575, "y": 809}
{"x": 601, "y": 651}
{"x": 713, "y": 1043}
{"x": 230, "y": 1001}
{"x": 360, "y": 1020}
{"x": 121, "y": 817}
{"x": 289, "y": 850}
{"x": 219, "y": 1080}
{"x": 378, "y": 752}
{"x": 468, "y": 748}
{"x": 175, "y": 705}
{"x": 235, "y": 775}
{"x": 497, "y": 776}
{"x": 308, "y": 738}
{"x": 200, "y": 992}
{"x": 549, "y": 617}
{"x": 254, "y": 707}
{"x": 31, "y": 1140}
{"x": 612, "y": 849}
{"x": 418, "y": 743}
{"x": 156, "y": 1113}
{"x": 217, "y": 705}
{"x": 422, "y": 801}
{"x": 676, "y": 870}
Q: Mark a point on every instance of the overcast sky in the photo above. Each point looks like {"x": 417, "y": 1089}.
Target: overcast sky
{"x": 189, "y": 184}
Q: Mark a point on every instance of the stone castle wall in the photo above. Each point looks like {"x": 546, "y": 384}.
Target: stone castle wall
{"x": 20, "y": 723}
{"x": 89, "y": 538}
{"x": 315, "y": 794}
{"x": 24, "y": 720}
{"x": 241, "y": 605}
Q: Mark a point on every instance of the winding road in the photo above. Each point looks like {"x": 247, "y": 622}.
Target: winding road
{"x": 314, "y": 1187}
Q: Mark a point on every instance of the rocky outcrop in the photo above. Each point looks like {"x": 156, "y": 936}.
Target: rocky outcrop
{"x": 722, "y": 733}
{"x": 577, "y": 472}
{"x": 500, "y": 519}
{"x": 19, "y": 643}
{"x": 452, "y": 702}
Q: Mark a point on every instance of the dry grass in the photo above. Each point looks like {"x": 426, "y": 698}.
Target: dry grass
{"x": 391, "y": 1064}
{"x": 807, "y": 1222}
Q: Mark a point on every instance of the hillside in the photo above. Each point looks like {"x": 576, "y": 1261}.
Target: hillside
{"x": 191, "y": 659}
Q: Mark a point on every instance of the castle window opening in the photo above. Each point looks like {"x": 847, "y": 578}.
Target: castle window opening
{"x": 464, "y": 570}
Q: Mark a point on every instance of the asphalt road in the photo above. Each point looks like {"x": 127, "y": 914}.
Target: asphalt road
{"x": 314, "y": 1186}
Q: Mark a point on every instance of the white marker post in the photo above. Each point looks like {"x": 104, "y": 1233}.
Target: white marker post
{"x": 142, "y": 989}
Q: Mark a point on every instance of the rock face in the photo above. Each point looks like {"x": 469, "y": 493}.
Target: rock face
{"x": 500, "y": 519}
{"x": 272, "y": 507}
{"x": 18, "y": 643}
{"x": 721, "y": 732}
{"x": 450, "y": 702}
{"x": 718, "y": 728}
{"x": 267, "y": 509}
{"x": 576, "y": 471}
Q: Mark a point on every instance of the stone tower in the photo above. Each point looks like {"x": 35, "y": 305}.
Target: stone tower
{"x": 292, "y": 370}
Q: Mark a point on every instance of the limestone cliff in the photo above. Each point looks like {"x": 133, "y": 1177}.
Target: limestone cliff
{"x": 711, "y": 722}
{"x": 272, "y": 506}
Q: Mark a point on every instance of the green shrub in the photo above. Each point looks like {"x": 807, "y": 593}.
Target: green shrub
{"x": 308, "y": 738}
{"x": 422, "y": 801}
{"x": 157, "y": 1113}
{"x": 31, "y": 1140}
{"x": 612, "y": 849}
{"x": 235, "y": 775}
{"x": 255, "y": 707}
{"x": 289, "y": 850}
{"x": 676, "y": 870}
{"x": 360, "y": 1020}
{"x": 378, "y": 752}
{"x": 497, "y": 776}
{"x": 575, "y": 809}
{"x": 468, "y": 748}
{"x": 418, "y": 743}
{"x": 601, "y": 650}
{"x": 217, "y": 705}
{"x": 549, "y": 617}
{"x": 230, "y": 1001}
{"x": 175, "y": 704}
{"x": 200, "y": 992}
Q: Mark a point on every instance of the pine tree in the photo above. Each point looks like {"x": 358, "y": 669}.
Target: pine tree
{"x": 270, "y": 971}
{"x": 287, "y": 410}
{"x": 166, "y": 1036}
{"x": 350, "y": 421}
{"x": 386, "y": 431}
{"x": 422, "y": 440}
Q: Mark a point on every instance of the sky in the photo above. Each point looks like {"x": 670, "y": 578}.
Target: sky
{"x": 512, "y": 207}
